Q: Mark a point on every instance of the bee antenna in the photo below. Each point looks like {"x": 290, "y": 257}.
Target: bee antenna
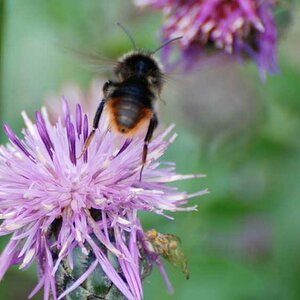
{"x": 129, "y": 35}
{"x": 167, "y": 43}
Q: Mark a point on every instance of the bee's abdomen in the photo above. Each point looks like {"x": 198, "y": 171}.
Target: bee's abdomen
{"x": 127, "y": 113}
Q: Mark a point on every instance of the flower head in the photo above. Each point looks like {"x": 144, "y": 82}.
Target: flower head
{"x": 52, "y": 202}
{"x": 238, "y": 27}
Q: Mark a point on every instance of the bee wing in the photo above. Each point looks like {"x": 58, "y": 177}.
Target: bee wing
{"x": 179, "y": 84}
{"x": 174, "y": 89}
{"x": 91, "y": 59}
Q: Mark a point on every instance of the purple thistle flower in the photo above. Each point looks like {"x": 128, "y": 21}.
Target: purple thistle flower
{"x": 44, "y": 184}
{"x": 238, "y": 27}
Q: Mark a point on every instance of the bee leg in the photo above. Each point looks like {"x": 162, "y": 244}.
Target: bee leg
{"x": 152, "y": 126}
{"x": 95, "y": 126}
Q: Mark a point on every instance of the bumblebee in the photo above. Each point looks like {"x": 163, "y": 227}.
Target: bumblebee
{"x": 129, "y": 100}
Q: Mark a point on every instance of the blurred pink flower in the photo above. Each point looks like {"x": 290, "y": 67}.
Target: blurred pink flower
{"x": 88, "y": 100}
{"x": 238, "y": 27}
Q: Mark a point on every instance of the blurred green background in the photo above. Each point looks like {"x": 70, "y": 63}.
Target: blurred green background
{"x": 244, "y": 242}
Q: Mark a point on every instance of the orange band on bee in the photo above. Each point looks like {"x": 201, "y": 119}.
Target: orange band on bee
{"x": 140, "y": 124}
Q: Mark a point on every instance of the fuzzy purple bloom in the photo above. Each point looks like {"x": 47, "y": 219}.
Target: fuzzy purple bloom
{"x": 43, "y": 181}
{"x": 238, "y": 27}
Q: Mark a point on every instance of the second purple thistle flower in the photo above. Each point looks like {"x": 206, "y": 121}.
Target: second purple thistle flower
{"x": 238, "y": 27}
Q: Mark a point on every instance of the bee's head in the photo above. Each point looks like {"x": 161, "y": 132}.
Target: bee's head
{"x": 141, "y": 66}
